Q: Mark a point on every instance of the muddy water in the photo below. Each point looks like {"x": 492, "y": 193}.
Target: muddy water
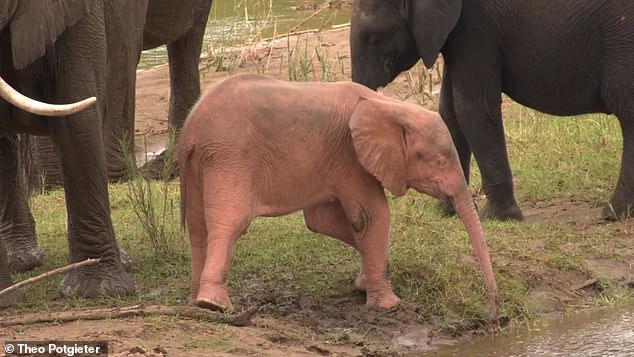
{"x": 234, "y": 21}
{"x": 602, "y": 333}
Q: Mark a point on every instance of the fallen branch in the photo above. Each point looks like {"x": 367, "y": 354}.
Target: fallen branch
{"x": 47, "y": 275}
{"x": 196, "y": 313}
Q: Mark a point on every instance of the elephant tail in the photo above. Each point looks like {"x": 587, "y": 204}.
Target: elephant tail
{"x": 184, "y": 175}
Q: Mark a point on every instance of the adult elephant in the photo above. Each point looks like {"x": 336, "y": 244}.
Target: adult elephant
{"x": 57, "y": 51}
{"x": 562, "y": 57}
{"x": 179, "y": 24}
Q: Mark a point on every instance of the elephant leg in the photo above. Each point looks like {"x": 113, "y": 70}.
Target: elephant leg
{"x": 476, "y": 91}
{"x": 620, "y": 102}
{"x": 78, "y": 140}
{"x": 124, "y": 28}
{"x": 5, "y": 278}
{"x": 227, "y": 213}
{"x": 195, "y": 219}
{"x": 448, "y": 114}
{"x": 369, "y": 218}
{"x": 184, "y": 57}
{"x": 17, "y": 227}
{"x": 330, "y": 219}
{"x": 46, "y": 163}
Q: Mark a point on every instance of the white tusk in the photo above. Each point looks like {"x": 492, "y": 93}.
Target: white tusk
{"x": 40, "y": 108}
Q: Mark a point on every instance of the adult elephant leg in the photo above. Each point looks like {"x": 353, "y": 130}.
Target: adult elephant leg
{"x": 5, "y": 278}
{"x": 476, "y": 89}
{"x": 78, "y": 141}
{"x": 46, "y": 163}
{"x": 124, "y": 29}
{"x": 621, "y": 204}
{"x": 184, "y": 57}
{"x": 17, "y": 228}
{"x": 448, "y": 114}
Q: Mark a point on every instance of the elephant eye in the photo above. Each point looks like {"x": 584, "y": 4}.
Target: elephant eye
{"x": 419, "y": 155}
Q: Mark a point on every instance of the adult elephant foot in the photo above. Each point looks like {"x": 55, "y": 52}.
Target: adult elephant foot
{"x": 618, "y": 209}
{"x": 102, "y": 279}
{"x": 445, "y": 208}
{"x": 501, "y": 212}
{"x": 161, "y": 167}
{"x": 24, "y": 259}
{"x": 18, "y": 236}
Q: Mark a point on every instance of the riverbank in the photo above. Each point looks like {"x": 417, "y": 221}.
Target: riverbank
{"x": 561, "y": 260}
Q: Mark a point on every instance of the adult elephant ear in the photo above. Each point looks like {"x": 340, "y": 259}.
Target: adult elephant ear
{"x": 431, "y": 22}
{"x": 379, "y": 141}
{"x": 37, "y": 24}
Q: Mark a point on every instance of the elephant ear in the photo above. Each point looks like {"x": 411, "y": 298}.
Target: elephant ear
{"x": 431, "y": 22}
{"x": 37, "y": 24}
{"x": 379, "y": 141}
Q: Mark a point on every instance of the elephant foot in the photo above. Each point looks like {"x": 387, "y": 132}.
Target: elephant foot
{"x": 97, "y": 280}
{"x": 383, "y": 300}
{"x": 216, "y": 300}
{"x": 617, "y": 211}
{"x": 502, "y": 212}
{"x": 8, "y": 299}
{"x": 445, "y": 208}
{"x": 126, "y": 260}
{"x": 24, "y": 259}
{"x": 359, "y": 283}
{"x": 157, "y": 168}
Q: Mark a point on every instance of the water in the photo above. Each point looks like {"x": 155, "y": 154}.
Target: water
{"x": 604, "y": 333}
{"x": 236, "y": 21}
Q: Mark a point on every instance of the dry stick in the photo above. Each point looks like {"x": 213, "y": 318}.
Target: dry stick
{"x": 307, "y": 18}
{"x": 34, "y": 279}
{"x": 242, "y": 319}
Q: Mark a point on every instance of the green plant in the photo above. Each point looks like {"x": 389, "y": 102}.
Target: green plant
{"x": 155, "y": 203}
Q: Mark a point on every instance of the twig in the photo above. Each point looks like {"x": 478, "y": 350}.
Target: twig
{"x": 241, "y": 319}
{"x": 315, "y": 13}
{"x": 48, "y": 274}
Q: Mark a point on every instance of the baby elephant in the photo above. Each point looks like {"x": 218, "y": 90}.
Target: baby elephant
{"x": 255, "y": 146}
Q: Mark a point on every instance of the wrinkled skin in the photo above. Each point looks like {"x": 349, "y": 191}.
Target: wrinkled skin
{"x": 326, "y": 149}
{"x": 179, "y": 24}
{"x": 60, "y": 60}
{"x": 563, "y": 57}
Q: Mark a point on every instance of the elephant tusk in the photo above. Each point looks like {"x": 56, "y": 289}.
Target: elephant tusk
{"x": 40, "y": 108}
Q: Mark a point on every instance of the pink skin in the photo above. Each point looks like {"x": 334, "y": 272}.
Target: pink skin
{"x": 254, "y": 146}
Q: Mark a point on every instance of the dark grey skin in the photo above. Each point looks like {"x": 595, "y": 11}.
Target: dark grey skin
{"x": 178, "y": 23}
{"x": 563, "y": 57}
{"x": 61, "y": 60}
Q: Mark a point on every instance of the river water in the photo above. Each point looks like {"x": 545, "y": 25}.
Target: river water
{"x": 238, "y": 21}
{"x": 601, "y": 333}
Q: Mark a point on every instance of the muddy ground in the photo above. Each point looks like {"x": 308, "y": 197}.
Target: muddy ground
{"x": 293, "y": 325}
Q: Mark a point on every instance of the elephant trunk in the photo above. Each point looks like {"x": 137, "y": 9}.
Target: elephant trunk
{"x": 466, "y": 210}
{"x": 35, "y": 107}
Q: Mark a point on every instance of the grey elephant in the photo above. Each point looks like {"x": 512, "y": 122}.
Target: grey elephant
{"x": 57, "y": 51}
{"x": 562, "y": 57}
{"x": 180, "y": 25}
